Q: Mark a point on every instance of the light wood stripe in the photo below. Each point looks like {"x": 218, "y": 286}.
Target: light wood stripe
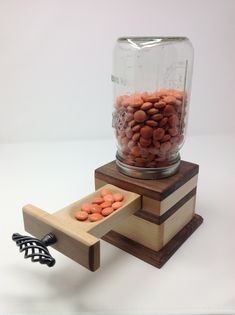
{"x": 178, "y": 220}
{"x": 155, "y": 258}
{"x": 152, "y": 235}
{"x": 158, "y": 208}
{"x": 155, "y": 189}
{"x": 160, "y": 219}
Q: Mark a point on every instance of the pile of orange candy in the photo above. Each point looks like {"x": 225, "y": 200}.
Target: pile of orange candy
{"x": 100, "y": 207}
{"x": 149, "y": 126}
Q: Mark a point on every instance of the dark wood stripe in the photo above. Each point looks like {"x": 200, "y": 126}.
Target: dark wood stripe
{"x": 160, "y": 219}
{"x": 155, "y": 189}
{"x": 155, "y": 258}
{"x": 94, "y": 256}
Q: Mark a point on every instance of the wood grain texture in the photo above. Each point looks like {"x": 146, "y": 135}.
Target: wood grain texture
{"x": 160, "y": 219}
{"x": 178, "y": 220}
{"x": 79, "y": 240}
{"x": 155, "y": 189}
{"x": 131, "y": 204}
{"x": 142, "y": 231}
{"x": 155, "y": 258}
{"x": 158, "y": 208}
{"x": 77, "y": 245}
{"x": 153, "y": 235}
{"x": 158, "y": 211}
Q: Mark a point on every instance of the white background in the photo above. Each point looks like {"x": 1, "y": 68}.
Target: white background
{"x": 55, "y": 66}
{"x": 56, "y": 56}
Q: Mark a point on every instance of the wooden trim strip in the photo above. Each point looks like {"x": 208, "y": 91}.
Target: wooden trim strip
{"x": 160, "y": 219}
{"x": 155, "y": 258}
{"x": 186, "y": 177}
{"x": 155, "y": 189}
{"x": 94, "y": 256}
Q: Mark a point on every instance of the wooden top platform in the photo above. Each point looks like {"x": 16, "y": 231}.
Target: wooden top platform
{"x": 155, "y": 189}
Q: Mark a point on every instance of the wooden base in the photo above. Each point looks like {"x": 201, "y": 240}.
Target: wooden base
{"x": 155, "y": 258}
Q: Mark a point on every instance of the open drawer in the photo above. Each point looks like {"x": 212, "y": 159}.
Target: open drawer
{"x": 78, "y": 240}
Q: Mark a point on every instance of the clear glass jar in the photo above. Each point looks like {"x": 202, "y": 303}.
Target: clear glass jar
{"x": 151, "y": 87}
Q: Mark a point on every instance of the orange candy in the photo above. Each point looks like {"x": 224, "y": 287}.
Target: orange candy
{"x": 96, "y": 208}
{"x": 158, "y": 134}
{"x": 107, "y": 211}
{"x": 135, "y": 100}
{"x": 86, "y": 207}
{"x": 81, "y": 215}
{"x": 118, "y": 197}
{"x": 95, "y": 217}
{"x": 116, "y": 205}
{"x": 146, "y": 106}
{"x": 108, "y": 197}
{"x": 140, "y": 116}
{"x": 100, "y": 206}
{"x": 105, "y": 192}
{"x": 170, "y": 99}
{"x": 98, "y": 200}
{"x": 135, "y": 151}
{"x": 151, "y": 118}
{"x": 106, "y": 204}
{"x": 146, "y": 132}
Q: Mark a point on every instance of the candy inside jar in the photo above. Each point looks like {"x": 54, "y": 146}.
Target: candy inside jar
{"x": 150, "y": 122}
{"x": 149, "y": 127}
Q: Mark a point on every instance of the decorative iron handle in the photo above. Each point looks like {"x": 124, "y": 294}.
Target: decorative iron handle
{"x": 36, "y": 249}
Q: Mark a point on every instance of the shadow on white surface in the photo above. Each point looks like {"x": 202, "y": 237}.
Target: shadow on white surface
{"x": 66, "y": 282}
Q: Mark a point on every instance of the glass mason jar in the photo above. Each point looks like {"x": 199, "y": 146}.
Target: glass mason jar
{"x": 151, "y": 87}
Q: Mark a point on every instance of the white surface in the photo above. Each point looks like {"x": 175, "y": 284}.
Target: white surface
{"x": 56, "y": 56}
{"x": 198, "y": 279}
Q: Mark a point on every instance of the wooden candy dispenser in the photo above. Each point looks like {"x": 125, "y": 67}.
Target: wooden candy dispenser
{"x": 158, "y": 211}
{"x": 155, "y": 220}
